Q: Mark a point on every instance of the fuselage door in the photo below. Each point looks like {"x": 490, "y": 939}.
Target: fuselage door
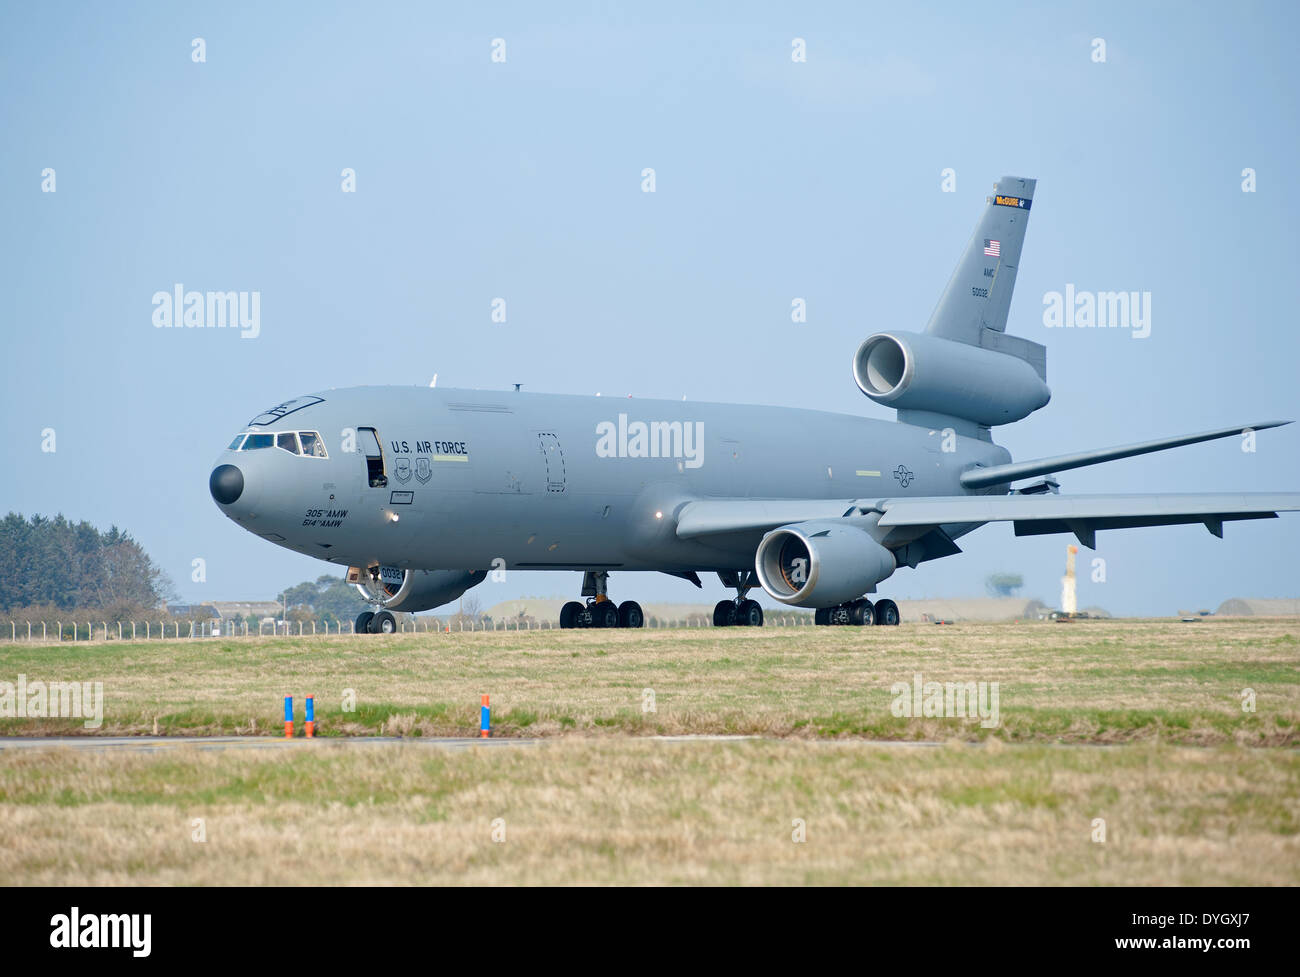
{"x": 552, "y": 461}
{"x": 368, "y": 445}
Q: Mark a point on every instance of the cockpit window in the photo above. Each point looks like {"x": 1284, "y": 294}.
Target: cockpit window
{"x": 312, "y": 445}
{"x": 308, "y": 443}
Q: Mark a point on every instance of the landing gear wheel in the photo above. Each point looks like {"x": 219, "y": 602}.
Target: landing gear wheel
{"x": 724, "y": 614}
{"x": 862, "y": 613}
{"x": 571, "y": 615}
{"x": 822, "y": 616}
{"x": 603, "y": 614}
{"x": 887, "y": 613}
{"x": 362, "y": 625}
{"x": 749, "y": 614}
{"x": 383, "y": 623}
{"x": 629, "y": 615}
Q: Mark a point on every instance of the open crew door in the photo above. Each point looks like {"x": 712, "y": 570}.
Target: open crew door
{"x": 368, "y": 445}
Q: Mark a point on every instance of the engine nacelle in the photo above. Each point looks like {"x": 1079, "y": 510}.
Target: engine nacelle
{"x": 821, "y": 563}
{"x": 912, "y": 371}
{"x": 414, "y": 590}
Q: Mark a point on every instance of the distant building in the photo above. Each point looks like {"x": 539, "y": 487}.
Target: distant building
{"x": 239, "y": 610}
{"x": 987, "y": 609}
{"x": 197, "y": 612}
{"x": 1260, "y": 607}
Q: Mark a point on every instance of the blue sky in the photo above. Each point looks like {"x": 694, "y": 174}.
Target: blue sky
{"x": 774, "y": 179}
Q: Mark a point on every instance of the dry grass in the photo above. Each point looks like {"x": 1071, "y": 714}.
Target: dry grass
{"x": 1098, "y": 682}
{"x": 637, "y": 811}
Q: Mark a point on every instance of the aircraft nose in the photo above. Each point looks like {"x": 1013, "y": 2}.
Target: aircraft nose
{"x": 226, "y": 484}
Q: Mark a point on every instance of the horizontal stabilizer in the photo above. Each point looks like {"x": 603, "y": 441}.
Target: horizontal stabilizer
{"x": 1002, "y": 474}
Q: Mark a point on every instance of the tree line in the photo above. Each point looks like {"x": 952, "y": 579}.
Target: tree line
{"x": 63, "y": 565}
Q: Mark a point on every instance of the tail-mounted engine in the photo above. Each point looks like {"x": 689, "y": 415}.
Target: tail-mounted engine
{"x": 918, "y": 372}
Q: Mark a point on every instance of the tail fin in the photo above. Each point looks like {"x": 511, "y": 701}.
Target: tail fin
{"x": 973, "y": 308}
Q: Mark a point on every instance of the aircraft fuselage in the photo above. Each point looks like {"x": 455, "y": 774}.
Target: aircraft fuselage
{"x": 470, "y": 479}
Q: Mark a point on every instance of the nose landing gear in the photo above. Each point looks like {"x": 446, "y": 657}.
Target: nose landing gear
{"x": 599, "y": 611}
{"x": 370, "y": 622}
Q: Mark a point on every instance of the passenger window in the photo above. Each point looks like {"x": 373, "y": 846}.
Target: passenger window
{"x": 234, "y": 445}
{"x": 312, "y": 445}
{"x": 288, "y": 441}
{"x": 256, "y": 441}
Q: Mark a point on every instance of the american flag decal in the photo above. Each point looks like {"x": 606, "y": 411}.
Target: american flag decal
{"x": 992, "y": 248}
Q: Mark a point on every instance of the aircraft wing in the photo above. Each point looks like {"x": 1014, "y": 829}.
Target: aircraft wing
{"x": 1032, "y": 515}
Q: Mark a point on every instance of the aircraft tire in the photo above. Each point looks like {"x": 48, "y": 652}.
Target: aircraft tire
{"x": 383, "y": 623}
{"x": 570, "y": 615}
{"x": 862, "y": 613}
{"x": 603, "y": 614}
{"x": 887, "y": 613}
{"x": 362, "y": 625}
{"x": 630, "y": 615}
{"x": 750, "y": 614}
{"x": 822, "y": 616}
{"x": 724, "y": 614}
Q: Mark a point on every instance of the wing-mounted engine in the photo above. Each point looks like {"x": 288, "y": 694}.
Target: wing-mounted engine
{"x": 395, "y": 589}
{"x": 821, "y": 563}
{"x": 924, "y": 373}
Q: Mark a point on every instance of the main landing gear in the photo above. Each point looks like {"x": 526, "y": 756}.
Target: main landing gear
{"x": 860, "y": 612}
{"x": 741, "y": 611}
{"x": 599, "y": 611}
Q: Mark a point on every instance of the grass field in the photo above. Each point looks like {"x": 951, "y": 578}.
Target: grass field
{"x": 1095, "y": 682}
{"x": 624, "y": 810}
{"x": 1137, "y": 723}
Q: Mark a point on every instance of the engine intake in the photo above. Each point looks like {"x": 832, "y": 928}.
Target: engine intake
{"x": 821, "y": 563}
{"x": 913, "y": 371}
{"x": 414, "y": 590}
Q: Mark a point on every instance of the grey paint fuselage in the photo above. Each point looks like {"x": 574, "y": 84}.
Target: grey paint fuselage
{"x": 516, "y": 477}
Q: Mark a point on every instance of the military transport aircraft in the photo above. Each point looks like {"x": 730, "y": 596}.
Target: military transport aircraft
{"x": 421, "y": 492}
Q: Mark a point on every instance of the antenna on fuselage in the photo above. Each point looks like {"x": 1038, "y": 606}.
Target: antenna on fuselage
{"x": 517, "y": 386}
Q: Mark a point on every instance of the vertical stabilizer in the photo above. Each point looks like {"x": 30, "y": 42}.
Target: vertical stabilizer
{"x": 978, "y": 296}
